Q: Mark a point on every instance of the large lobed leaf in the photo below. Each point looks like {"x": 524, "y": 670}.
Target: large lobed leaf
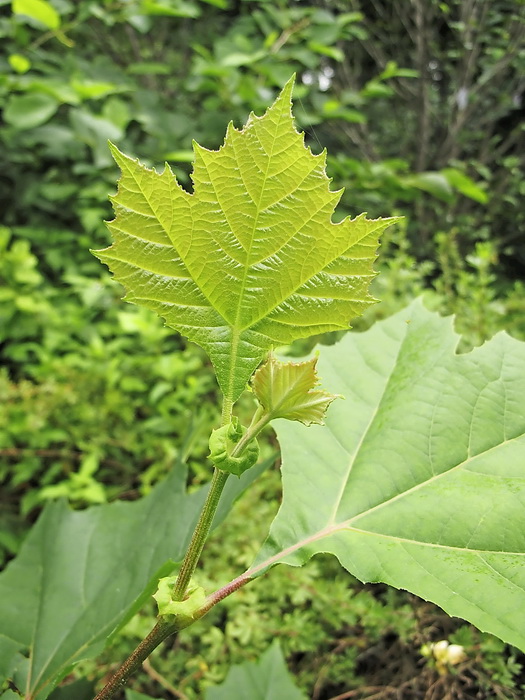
{"x": 251, "y": 259}
{"x": 81, "y": 574}
{"x": 418, "y": 478}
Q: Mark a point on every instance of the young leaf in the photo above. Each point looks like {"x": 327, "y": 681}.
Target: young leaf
{"x": 418, "y": 478}
{"x": 82, "y": 574}
{"x": 286, "y": 390}
{"x": 251, "y": 259}
{"x": 266, "y": 679}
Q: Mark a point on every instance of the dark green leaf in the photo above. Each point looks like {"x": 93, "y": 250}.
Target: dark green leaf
{"x": 266, "y": 679}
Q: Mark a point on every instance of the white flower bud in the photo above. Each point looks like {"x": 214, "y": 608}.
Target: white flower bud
{"x": 455, "y": 654}
{"x": 440, "y": 650}
{"x": 446, "y": 654}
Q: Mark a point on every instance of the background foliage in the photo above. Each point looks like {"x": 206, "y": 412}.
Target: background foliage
{"x": 420, "y": 106}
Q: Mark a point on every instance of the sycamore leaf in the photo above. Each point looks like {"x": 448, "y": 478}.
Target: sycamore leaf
{"x": 418, "y": 478}
{"x": 286, "y": 390}
{"x": 80, "y": 575}
{"x": 251, "y": 259}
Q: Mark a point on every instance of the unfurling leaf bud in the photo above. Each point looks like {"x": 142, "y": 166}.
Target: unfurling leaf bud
{"x": 287, "y": 390}
{"x": 222, "y": 449}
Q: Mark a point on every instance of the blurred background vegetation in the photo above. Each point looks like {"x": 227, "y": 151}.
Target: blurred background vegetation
{"x": 420, "y": 104}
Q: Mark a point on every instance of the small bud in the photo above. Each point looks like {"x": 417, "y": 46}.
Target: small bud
{"x": 455, "y": 654}
{"x": 439, "y": 649}
{"x": 426, "y": 650}
{"x": 223, "y": 442}
{"x": 445, "y": 654}
{"x": 179, "y": 612}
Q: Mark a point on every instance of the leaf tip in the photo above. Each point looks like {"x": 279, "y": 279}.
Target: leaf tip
{"x": 115, "y": 152}
{"x": 289, "y": 86}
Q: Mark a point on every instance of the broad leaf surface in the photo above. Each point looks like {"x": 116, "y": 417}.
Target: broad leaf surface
{"x": 266, "y": 679}
{"x": 418, "y": 478}
{"x": 81, "y": 574}
{"x": 251, "y": 259}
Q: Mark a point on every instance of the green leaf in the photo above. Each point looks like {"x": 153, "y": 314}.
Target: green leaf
{"x": 435, "y": 184}
{"x": 28, "y": 111}
{"x": 223, "y": 4}
{"x": 180, "y": 156}
{"x": 286, "y": 390}
{"x": 418, "y": 478}
{"x": 464, "y": 184}
{"x": 94, "y": 89}
{"x": 8, "y": 657}
{"x": 80, "y": 689}
{"x": 392, "y": 70}
{"x": 19, "y": 63}
{"x": 135, "y": 695}
{"x": 324, "y": 50}
{"x": 81, "y": 574}
{"x": 170, "y": 8}
{"x": 251, "y": 259}
{"x": 39, "y": 10}
{"x": 266, "y": 679}
{"x": 8, "y": 651}
{"x": 149, "y": 68}
{"x": 238, "y": 58}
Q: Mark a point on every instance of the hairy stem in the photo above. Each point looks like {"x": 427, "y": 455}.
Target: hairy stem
{"x": 158, "y": 634}
{"x": 227, "y": 411}
{"x": 200, "y": 534}
{"x": 223, "y": 593}
{"x": 259, "y": 420}
{"x": 163, "y": 630}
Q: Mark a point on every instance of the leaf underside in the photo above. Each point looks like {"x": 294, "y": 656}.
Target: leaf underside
{"x": 418, "y": 478}
{"x": 251, "y": 259}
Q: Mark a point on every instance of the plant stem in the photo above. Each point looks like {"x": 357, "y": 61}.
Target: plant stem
{"x": 227, "y": 406}
{"x": 259, "y": 420}
{"x": 202, "y": 529}
{"x": 200, "y": 534}
{"x": 223, "y": 593}
{"x": 158, "y": 634}
{"x": 162, "y": 630}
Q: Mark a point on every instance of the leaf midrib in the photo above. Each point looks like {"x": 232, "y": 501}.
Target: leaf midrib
{"x": 365, "y": 431}
{"x": 344, "y": 527}
{"x": 334, "y": 527}
{"x": 434, "y": 478}
{"x": 236, "y": 330}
